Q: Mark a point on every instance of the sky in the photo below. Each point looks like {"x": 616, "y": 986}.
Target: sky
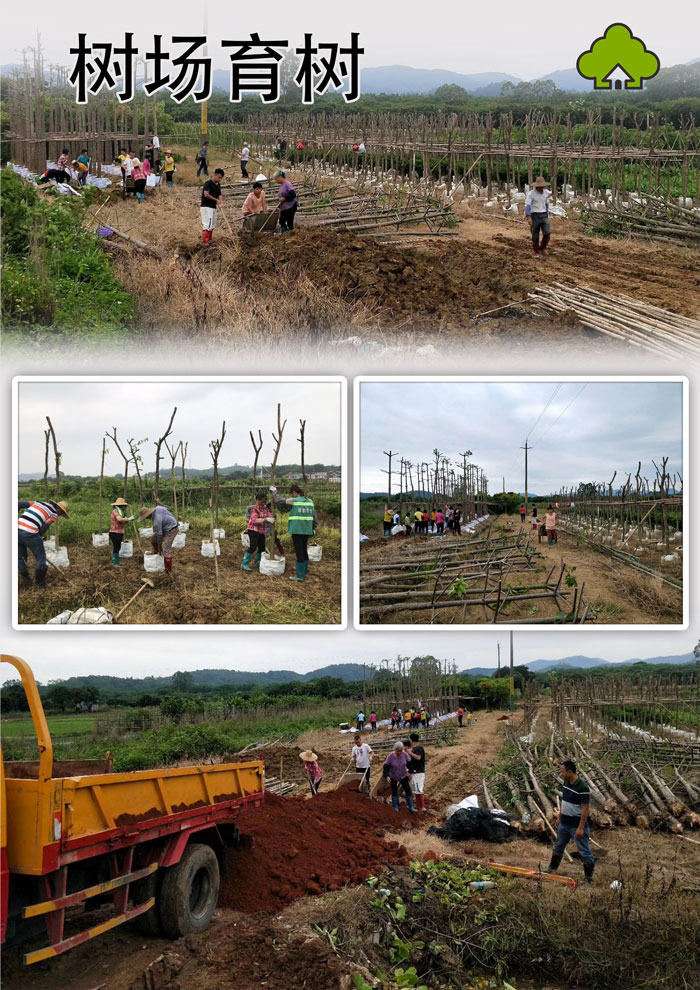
{"x": 465, "y": 37}
{"x": 585, "y": 434}
{"x": 140, "y": 654}
{"x": 81, "y": 413}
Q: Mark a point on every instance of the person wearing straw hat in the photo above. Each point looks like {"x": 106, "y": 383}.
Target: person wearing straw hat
{"x": 117, "y": 527}
{"x": 169, "y": 168}
{"x": 35, "y": 520}
{"x": 537, "y": 215}
{"x": 139, "y": 176}
{"x": 312, "y": 770}
{"x": 165, "y": 529}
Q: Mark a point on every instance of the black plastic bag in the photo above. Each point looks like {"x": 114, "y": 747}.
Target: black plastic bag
{"x": 476, "y": 823}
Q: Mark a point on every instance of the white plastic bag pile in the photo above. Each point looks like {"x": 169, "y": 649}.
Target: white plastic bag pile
{"x": 98, "y": 181}
{"x": 83, "y": 617}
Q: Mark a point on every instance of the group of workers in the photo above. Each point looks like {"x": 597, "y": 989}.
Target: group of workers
{"x": 403, "y": 770}
{"x": 423, "y": 521}
{"x": 548, "y": 526}
{"x": 38, "y": 516}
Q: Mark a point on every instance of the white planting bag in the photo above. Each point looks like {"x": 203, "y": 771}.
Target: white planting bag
{"x": 91, "y": 617}
{"x": 245, "y": 540}
{"x": 147, "y": 531}
{"x": 127, "y": 549}
{"x": 59, "y": 558}
{"x": 208, "y": 548}
{"x": 61, "y": 619}
{"x": 50, "y": 543}
{"x": 100, "y": 539}
{"x": 272, "y": 567}
{"x": 395, "y": 532}
{"x": 153, "y": 563}
{"x": 182, "y": 527}
{"x": 179, "y": 541}
{"x": 219, "y": 534}
{"x": 315, "y": 552}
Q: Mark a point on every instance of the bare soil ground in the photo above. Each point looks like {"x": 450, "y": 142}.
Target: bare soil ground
{"x": 191, "y": 597}
{"x": 618, "y": 593}
{"x": 281, "y": 948}
{"x": 318, "y": 285}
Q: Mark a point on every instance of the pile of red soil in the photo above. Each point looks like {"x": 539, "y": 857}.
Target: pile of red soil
{"x": 304, "y": 847}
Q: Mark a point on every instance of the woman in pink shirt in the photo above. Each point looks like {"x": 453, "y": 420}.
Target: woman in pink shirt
{"x": 550, "y": 524}
{"x": 312, "y": 770}
{"x": 260, "y": 515}
{"x": 440, "y": 522}
{"x": 117, "y": 528}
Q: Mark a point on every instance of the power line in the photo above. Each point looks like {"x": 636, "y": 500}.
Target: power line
{"x": 549, "y": 402}
{"x": 561, "y": 413}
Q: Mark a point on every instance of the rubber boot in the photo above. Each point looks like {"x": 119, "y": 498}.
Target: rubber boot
{"x": 168, "y": 562}
{"x": 205, "y": 239}
{"x": 154, "y": 545}
{"x": 421, "y": 802}
{"x": 535, "y": 249}
{"x": 258, "y": 558}
{"x": 115, "y": 559}
{"x": 409, "y": 802}
{"x": 40, "y": 577}
{"x": 246, "y": 561}
{"x": 553, "y": 864}
{"x": 25, "y": 579}
{"x": 588, "y": 872}
{"x": 301, "y": 569}
{"x": 395, "y": 803}
{"x": 543, "y": 245}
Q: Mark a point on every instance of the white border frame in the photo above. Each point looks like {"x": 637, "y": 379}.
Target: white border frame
{"x": 340, "y": 380}
{"x": 585, "y": 628}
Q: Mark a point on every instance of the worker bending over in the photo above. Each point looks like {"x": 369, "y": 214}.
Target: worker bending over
{"x": 31, "y": 526}
{"x": 165, "y": 529}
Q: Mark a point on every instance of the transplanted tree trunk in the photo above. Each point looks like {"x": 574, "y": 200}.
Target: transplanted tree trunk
{"x": 125, "y": 457}
{"x": 57, "y": 483}
{"x": 47, "y": 437}
{"x": 102, "y": 474}
{"x": 278, "y": 444}
{"x": 158, "y": 445}
{"x": 216, "y": 446}
{"x": 302, "y": 431}
{"x": 173, "y": 451}
{"x": 134, "y": 450}
{"x": 183, "y": 460}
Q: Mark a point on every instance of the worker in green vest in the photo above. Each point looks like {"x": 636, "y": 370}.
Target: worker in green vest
{"x": 301, "y": 525}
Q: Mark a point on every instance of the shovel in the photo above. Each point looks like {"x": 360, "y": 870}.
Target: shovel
{"x": 145, "y": 583}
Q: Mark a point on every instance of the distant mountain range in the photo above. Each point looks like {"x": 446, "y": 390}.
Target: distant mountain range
{"x": 282, "y": 471}
{"x": 213, "y": 677}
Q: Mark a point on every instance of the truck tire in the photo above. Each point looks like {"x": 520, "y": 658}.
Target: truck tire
{"x": 149, "y": 923}
{"x": 189, "y": 892}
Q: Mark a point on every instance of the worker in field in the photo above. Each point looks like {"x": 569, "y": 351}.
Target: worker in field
{"x": 203, "y": 160}
{"x": 244, "y": 155}
{"x": 537, "y": 215}
{"x": 460, "y": 716}
{"x": 373, "y": 721}
{"x": 388, "y": 520}
{"x": 550, "y": 524}
{"x": 211, "y": 200}
{"x": 313, "y": 772}
{"x": 83, "y": 166}
{"x": 258, "y": 520}
{"x": 165, "y": 529}
{"x": 394, "y": 717}
{"x": 255, "y": 202}
{"x": 360, "y": 719}
{"x": 288, "y": 202}
{"x": 534, "y": 521}
{"x": 407, "y": 522}
{"x": 301, "y": 525}
{"x": 36, "y": 520}
{"x": 268, "y": 527}
{"x": 572, "y": 822}
{"x": 169, "y": 168}
{"x": 139, "y": 176}
{"x": 397, "y": 774}
{"x": 417, "y": 754}
{"x": 362, "y": 756}
{"x": 418, "y": 519}
{"x": 117, "y": 527}
{"x": 522, "y": 515}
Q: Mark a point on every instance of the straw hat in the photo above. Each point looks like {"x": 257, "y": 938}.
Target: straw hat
{"x": 308, "y": 756}
{"x": 261, "y": 177}
{"x": 120, "y": 501}
{"x": 135, "y": 160}
{"x": 61, "y": 506}
{"x": 540, "y": 182}
{"x": 145, "y": 512}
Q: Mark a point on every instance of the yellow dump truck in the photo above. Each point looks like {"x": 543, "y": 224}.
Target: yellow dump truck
{"x": 77, "y": 836}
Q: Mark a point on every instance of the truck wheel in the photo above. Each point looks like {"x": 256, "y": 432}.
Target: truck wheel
{"x": 149, "y": 923}
{"x": 189, "y": 892}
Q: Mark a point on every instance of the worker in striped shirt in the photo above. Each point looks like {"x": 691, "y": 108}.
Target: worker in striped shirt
{"x": 31, "y": 526}
{"x": 572, "y": 822}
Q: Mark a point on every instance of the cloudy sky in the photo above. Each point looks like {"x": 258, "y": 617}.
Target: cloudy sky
{"x": 466, "y": 37}
{"x": 82, "y": 412}
{"x": 139, "y": 654}
{"x": 578, "y": 431}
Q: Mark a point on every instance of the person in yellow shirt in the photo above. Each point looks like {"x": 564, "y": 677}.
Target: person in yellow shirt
{"x": 418, "y": 516}
{"x": 169, "y": 168}
{"x": 388, "y": 520}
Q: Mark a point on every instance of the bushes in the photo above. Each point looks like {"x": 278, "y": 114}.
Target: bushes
{"x": 56, "y": 275}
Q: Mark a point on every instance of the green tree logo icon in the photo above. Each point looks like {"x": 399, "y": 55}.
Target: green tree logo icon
{"x": 618, "y": 60}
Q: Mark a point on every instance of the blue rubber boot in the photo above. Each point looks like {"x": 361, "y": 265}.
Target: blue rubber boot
{"x": 395, "y": 803}
{"x": 115, "y": 560}
{"x": 409, "y": 802}
{"x": 258, "y": 558}
{"x": 246, "y": 561}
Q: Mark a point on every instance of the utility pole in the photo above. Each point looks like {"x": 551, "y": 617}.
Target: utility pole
{"x": 512, "y": 683}
{"x": 499, "y": 657}
{"x": 203, "y": 114}
{"x": 526, "y": 448}
{"x": 389, "y": 454}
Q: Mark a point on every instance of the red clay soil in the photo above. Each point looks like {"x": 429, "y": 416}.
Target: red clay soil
{"x": 304, "y": 847}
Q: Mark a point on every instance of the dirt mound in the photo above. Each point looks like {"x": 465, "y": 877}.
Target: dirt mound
{"x": 305, "y": 847}
{"x": 448, "y": 283}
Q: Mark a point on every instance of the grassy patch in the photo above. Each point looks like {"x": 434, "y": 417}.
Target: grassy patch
{"x": 59, "y": 725}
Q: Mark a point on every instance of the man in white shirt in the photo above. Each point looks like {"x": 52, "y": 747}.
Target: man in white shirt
{"x": 244, "y": 155}
{"x": 537, "y": 215}
{"x": 362, "y": 755}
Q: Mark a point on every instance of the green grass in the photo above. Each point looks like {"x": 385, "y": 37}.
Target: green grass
{"x": 59, "y": 725}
